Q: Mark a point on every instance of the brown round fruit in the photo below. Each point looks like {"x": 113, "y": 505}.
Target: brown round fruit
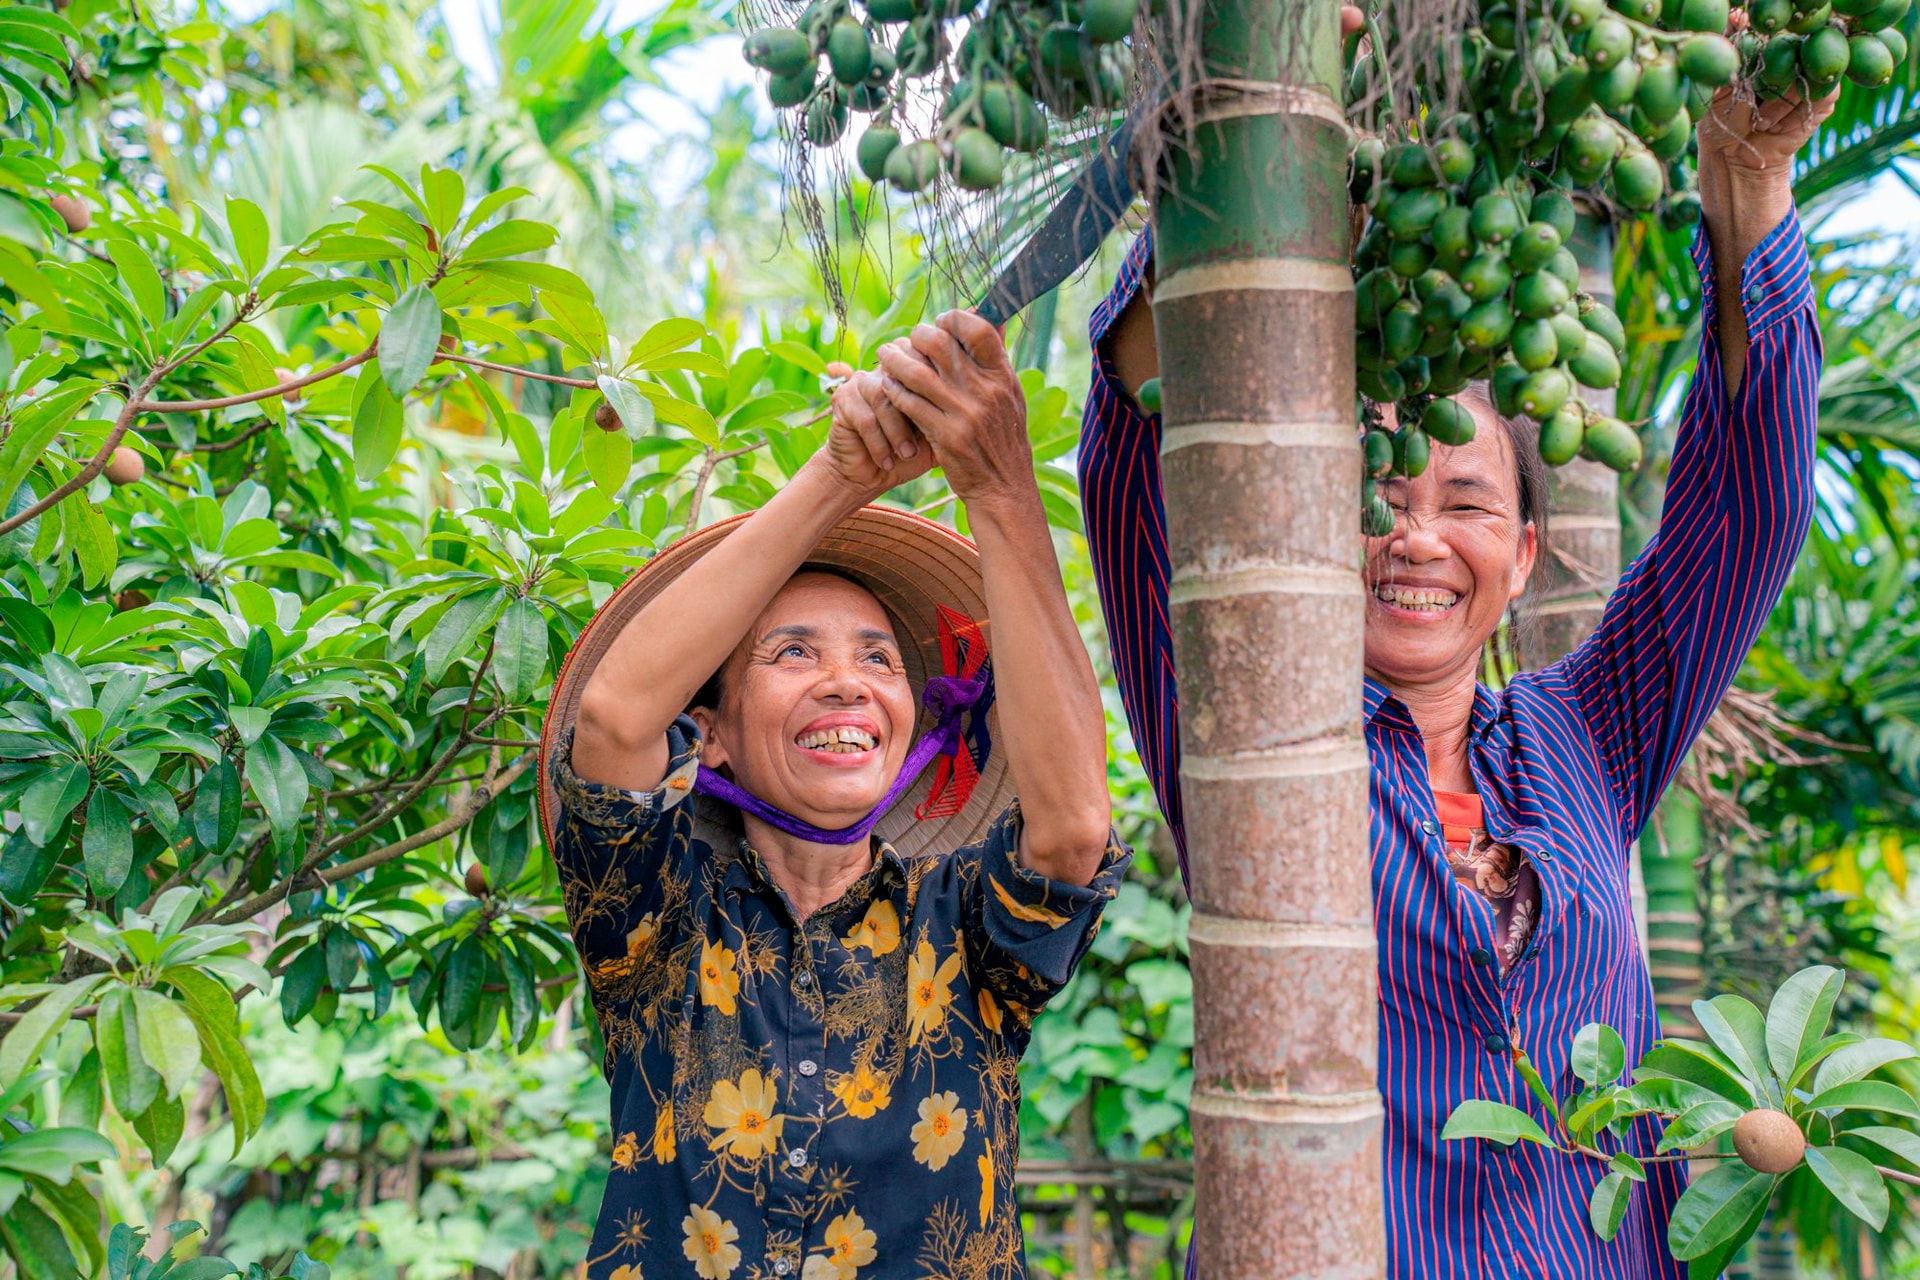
{"x": 1769, "y": 1141}
{"x": 74, "y": 212}
{"x": 131, "y": 598}
{"x": 476, "y": 880}
{"x": 605, "y": 418}
{"x": 125, "y": 467}
{"x": 448, "y": 342}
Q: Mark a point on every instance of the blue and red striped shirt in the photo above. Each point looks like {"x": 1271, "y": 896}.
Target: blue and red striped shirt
{"x": 1569, "y": 762}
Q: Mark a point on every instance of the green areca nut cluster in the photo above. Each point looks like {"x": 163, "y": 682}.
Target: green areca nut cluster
{"x": 1019, "y": 65}
{"x": 1464, "y": 271}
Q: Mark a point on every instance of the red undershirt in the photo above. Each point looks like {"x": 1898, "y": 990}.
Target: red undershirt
{"x": 1500, "y": 875}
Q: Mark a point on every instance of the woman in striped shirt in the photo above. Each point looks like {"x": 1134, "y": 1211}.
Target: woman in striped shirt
{"x": 1501, "y": 822}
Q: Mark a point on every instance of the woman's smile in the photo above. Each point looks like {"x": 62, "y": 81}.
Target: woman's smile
{"x": 1402, "y": 599}
{"x": 840, "y": 741}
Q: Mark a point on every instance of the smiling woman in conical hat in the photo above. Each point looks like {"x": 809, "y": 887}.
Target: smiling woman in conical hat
{"x": 780, "y": 775}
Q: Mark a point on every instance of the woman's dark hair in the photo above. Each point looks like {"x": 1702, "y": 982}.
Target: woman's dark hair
{"x": 710, "y": 693}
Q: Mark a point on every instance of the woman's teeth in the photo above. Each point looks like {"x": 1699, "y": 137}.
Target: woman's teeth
{"x": 1424, "y": 600}
{"x": 844, "y": 740}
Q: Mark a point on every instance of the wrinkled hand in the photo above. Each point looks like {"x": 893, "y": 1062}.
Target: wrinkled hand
{"x": 1752, "y": 138}
{"x": 871, "y": 447}
{"x": 953, "y": 379}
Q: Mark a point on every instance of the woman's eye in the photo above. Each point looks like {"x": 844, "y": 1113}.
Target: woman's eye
{"x": 793, "y": 651}
{"x": 880, "y": 659}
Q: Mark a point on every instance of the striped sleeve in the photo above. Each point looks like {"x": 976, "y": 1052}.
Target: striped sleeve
{"x": 1119, "y": 465}
{"x": 1738, "y": 505}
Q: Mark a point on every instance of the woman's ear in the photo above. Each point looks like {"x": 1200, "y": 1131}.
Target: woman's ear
{"x": 712, "y": 753}
{"x": 1523, "y": 560}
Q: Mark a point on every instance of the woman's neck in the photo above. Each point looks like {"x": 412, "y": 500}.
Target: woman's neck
{"x": 1443, "y": 712}
{"x": 812, "y": 875}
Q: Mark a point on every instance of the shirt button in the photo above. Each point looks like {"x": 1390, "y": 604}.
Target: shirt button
{"x": 1756, "y": 293}
{"x": 1429, "y": 826}
{"x": 1496, "y": 1043}
{"x": 1544, "y": 854}
{"x": 797, "y": 1157}
{"x": 803, "y": 979}
{"x": 783, "y": 1265}
{"x": 808, "y": 1066}
{"x": 1482, "y": 957}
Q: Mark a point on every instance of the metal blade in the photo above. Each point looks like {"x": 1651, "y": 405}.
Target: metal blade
{"x": 1075, "y": 228}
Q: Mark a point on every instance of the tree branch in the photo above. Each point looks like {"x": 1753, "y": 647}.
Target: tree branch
{"x": 455, "y": 357}
{"x": 95, "y": 465}
{"x": 249, "y": 397}
{"x": 224, "y": 445}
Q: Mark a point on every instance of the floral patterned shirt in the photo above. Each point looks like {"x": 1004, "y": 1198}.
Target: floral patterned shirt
{"x": 826, "y": 1099}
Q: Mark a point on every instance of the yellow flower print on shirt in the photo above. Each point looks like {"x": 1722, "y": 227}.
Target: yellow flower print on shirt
{"x": 743, "y": 1116}
{"x": 664, "y": 1147}
{"x": 625, "y": 1271}
{"x": 985, "y": 1164}
{"x": 626, "y": 1152}
{"x": 863, "y": 1093}
{"x": 719, "y": 980}
{"x": 942, "y": 1130}
{"x": 929, "y": 991}
{"x": 878, "y": 930}
{"x": 849, "y": 1245}
{"x": 989, "y": 1010}
{"x": 819, "y": 1267}
{"x": 709, "y": 1245}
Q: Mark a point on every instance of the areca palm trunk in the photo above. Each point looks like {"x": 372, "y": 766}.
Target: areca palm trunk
{"x": 1253, "y": 309}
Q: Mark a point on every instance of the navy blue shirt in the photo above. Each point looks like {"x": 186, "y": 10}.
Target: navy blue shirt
{"x": 827, "y": 1099}
{"x": 1568, "y": 762}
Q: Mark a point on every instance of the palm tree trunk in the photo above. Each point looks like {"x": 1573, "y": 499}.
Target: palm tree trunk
{"x": 1253, "y": 309}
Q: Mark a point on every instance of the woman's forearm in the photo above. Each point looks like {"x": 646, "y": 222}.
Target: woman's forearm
{"x": 660, "y": 660}
{"x": 1052, "y": 726}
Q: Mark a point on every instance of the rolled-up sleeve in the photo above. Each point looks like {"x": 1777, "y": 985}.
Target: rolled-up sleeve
{"x": 617, "y": 851}
{"x": 1026, "y": 933}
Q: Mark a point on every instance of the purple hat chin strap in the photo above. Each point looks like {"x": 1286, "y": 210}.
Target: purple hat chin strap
{"x": 947, "y": 697}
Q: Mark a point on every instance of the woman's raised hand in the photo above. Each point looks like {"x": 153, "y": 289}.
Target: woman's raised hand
{"x": 953, "y": 380}
{"x": 871, "y": 446}
{"x": 1760, "y": 137}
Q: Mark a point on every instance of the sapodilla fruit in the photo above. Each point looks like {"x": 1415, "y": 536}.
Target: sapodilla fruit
{"x": 125, "y": 467}
{"x": 477, "y": 886}
{"x": 74, "y": 212}
{"x": 605, "y": 418}
{"x": 1769, "y": 1141}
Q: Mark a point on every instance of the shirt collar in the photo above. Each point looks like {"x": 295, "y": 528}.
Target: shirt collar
{"x": 1383, "y": 709}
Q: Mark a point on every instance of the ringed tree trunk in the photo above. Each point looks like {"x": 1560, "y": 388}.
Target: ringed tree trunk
{"x": 1253, "y": 309}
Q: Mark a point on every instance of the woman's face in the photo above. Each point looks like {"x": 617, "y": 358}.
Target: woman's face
{"x": 1458, "y": 553}
{"x": 816, "y": 714}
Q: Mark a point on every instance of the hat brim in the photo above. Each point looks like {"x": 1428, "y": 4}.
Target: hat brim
{"x": 911, "y": 564}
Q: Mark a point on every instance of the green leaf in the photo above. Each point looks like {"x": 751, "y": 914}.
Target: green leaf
{"x": 168, "y": 1040}
{"x": 248, "y": 227}
{"x": 36, "y": 1244}
{"x": 20, "y": 1051}
{"x": 91, "y": 537}
{"x": 279, "y": 782}
{"x": 1700, "y": 1124}
{"x": 445, "y": 192}
{"x": 1599, "y": 1055}
{"x": 1866, "y": 1095}
{"x": 408, "y": 339}
{"x": 1737, "y": 1030}
{"x": 132, "y": 1083}
{"x": 49, "y": 800}
{"x": 300, "y": 984}
{"x": 1857, "y": 1061}
{"x": 609, "y": 456}
{"x": 216, "y": 807}
{"x": 107, "y": 843}
{"x": 160, "y": 1125}
{"x": 1798, "y": 1016}
{"x": 1628, "y": 1166}
{"x": 142, "y": 280}
{"x": 460, "y": 994}
{"x": 635, "y": 410}
{"x": 519, "y": 650}
{"x": 378, "y": 420}
{"x": 1607, "y": 1209}
{"x": 509, "y": 239}
{"x": 667, "y": 336}
{"x": 1854, "y": 1182}
{"x": 1495, "y": 1121}
{"x": 1697, "y": 1064}
{"x": 799, "y": 354}
{"x": 1716, "y": 1207}
{"x": 249, "y": 722}
{"x": 1897, "y": 1142}
{"x": 459, "y": 627}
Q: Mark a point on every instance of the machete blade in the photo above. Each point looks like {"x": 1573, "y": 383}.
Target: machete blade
{"x": 1073, "y": 230}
